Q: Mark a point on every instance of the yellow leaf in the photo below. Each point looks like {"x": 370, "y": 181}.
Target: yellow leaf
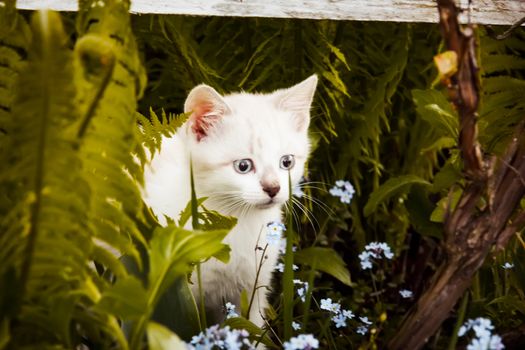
{"x": 446, "y": 63}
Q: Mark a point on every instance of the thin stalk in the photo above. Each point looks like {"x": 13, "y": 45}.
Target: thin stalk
{"x": 288, "y": 274}
{"x": 459, "y": 322}
{"x": 97, "y": 99}
{"x": 308, "y": 300}
{"x": 195, "y": 226}
{"x": 259, "y": 267}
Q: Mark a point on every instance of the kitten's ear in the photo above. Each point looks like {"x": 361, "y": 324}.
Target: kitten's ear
{"x": 206, "y": 107}
{"x": 298, "y": 100}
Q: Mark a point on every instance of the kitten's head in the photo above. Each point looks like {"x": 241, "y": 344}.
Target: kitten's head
{"x": 243, "y": 145}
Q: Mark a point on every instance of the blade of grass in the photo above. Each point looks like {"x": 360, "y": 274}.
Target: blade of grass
{"x": 195, "y": 226}
{"x": 288, "y": 271}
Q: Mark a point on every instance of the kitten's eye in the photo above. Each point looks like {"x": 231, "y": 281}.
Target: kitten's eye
{"x": 243, "y": 166}
{"x": 287, "y": 162}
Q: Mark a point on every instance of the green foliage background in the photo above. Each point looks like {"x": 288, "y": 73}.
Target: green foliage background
{"x": 68, "y": 129}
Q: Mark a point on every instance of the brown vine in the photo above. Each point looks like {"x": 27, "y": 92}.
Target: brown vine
{"x": 488, "y": 213}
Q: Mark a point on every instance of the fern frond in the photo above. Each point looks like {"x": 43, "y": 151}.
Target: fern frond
{"x": 14, "y": 38}
{"x": 502, "y": 105}
{"x": 153, "y": 129}
{"x": 49, "y": 217}
{"x": 110, "y": 79}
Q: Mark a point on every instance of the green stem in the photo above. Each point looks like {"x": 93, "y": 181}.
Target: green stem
{"x": 259, "y": 267}
{"x": 202, "y": 308}
{"x": 288, "y": 286}
{"x": 195, "y": 226}
{"x": 459, "y": 322}
{"x": 308, "y": 301}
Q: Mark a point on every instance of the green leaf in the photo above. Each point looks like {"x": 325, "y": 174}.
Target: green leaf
{"x": 446, "y": 203}
{"x": 391, "y": 187}
{"x": 434, "y": 108}
{"x": 447, "y": 176}
{"x": 173, "y": 250}
{"x": 420, "y": 209}
{"x": 212, "y": 220}
{"x": 5, "y": 336}
{"x": 177, "y": 310}
{"x": 326, "y": 260}
{"x": 439, "y": 144}
{"x": 161, "y": 338}
{"x": 185, "y": 214}
{"x": 126, "y": 299}
{"x": 256, "y": 332}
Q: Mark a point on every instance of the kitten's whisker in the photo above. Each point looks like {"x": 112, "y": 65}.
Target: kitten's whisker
{"x": 321, "y": 205}
{"x": 307, "y": 213}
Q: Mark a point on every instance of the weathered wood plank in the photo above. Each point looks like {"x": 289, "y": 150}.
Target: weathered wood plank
{"x": 482, "y": 11}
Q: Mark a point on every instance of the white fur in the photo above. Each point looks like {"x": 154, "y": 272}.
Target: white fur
{"x": 260, "y": 127}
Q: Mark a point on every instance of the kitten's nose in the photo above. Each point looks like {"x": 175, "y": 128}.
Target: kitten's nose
{"x": 272, "y": 190}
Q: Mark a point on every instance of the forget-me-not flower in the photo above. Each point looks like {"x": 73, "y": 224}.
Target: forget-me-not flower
{"x": 302, "y": 342}
{"x": 405, "y": 293}
{"x": 374, "y": 250}
{"x": 484, "y": 339}
{"x": 230, "y": 310}
{"x": 344, "y": 190}
{"x": 226, "y": 338}
{"x": 507, "y": 265}
{"x": 274, "y": 233}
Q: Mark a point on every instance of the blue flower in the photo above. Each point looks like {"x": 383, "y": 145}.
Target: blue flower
{"x": 484, "y": 339}
{"x": 339, "y": 315}
{"x": 302, "y": 342}
{"x": 326, "y": 304}
{"x": 405, "y": 293}
{"x": 302, "y": 289}
{"x": 339, "y": 320}
{"x": 296, "y": 325}
{"x": 280, "y": 267}
{"x": 344, "y": 190}
{"x": 215, "y": 337}
{"x": 230, "y": 310}
{"x": 365, "y": 260}
{"x": 365, "y": 320}
{"x": 362, "y": 330}
{"x": 507, "y": 265}
{"x": 274, "y": 233}
{"x": 374, "y": 250}
{"x": 348, "y": 314}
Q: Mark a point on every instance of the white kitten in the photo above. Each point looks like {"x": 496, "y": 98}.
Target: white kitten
{"x": 241, "y": 146}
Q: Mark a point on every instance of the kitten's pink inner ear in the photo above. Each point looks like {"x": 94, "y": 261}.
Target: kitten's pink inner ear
{"x": 202, "y": 120}
{"x": 207, "y": 107}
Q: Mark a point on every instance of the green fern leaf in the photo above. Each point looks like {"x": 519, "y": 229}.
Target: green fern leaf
{"x": 110, "y": 78}
{"x": 49, "y": 217}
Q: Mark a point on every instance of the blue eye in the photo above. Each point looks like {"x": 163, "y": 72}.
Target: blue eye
{"x": 287, "y": 162}
{"x": 243, "y": 166}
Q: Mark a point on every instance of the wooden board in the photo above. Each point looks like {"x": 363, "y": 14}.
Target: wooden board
{"x": 482, "y": 11}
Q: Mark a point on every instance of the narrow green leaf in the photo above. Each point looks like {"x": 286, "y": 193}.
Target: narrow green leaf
{"x": 287, "y": 279}
{"x": 326, "y": 260}
{"x": 161, "y": 338}
{"x": 434, "y": 108}
{"x": 177, "y": 310}
{"x": 391, "y": 187}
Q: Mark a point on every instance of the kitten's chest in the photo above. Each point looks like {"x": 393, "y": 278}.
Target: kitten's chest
{"x": 249, "y": 248}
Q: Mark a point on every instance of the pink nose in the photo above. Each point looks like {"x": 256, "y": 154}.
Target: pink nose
{"x": 272, "y": 190}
